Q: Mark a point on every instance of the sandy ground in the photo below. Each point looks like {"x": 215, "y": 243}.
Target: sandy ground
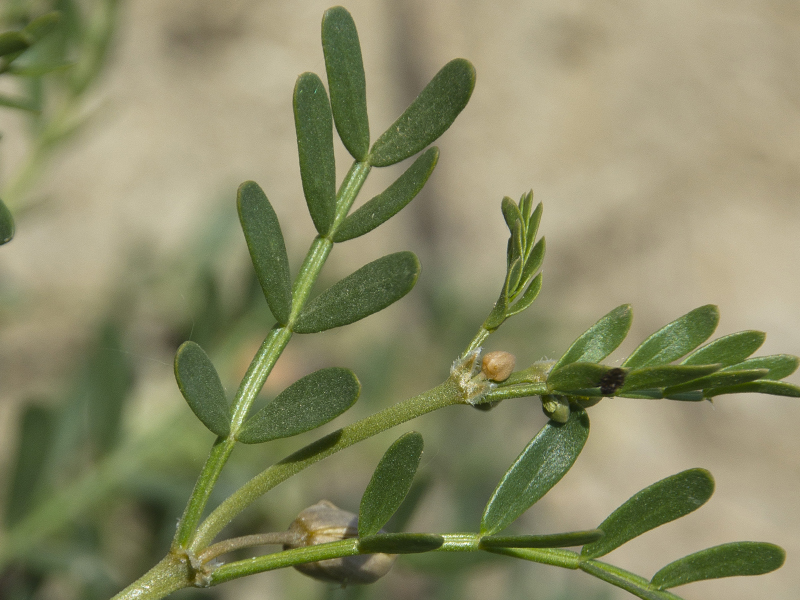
{"x": 662, "y": 137}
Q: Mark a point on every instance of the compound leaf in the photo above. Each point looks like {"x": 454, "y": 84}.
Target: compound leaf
{"x": 727, "y": 350}
{"x": 675, "y": 339}
{"x": 390, "y": 483}
{"x": 601, "y": 339}
{"x": 314, "y": 126}
{"x": 262, "y": 231}
{"x": 662, "y": 502}
{"x": 387, "y": 204}
{"x": 370, "y": 289}
{"x": 541, "y": 465}
{"x": 200, "y": 385}
{"x": 345, "y": 69}
{"x": 429, "y": 116}
{"x": 307, "y": 404}
{"x": 727, "y": 560}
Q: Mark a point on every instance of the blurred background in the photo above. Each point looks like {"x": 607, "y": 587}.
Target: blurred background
{"x": 662, "y": 138}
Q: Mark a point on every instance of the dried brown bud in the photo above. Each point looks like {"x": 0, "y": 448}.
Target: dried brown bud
{"x": 325, "y": 522}
{"x": 498, "y": 365}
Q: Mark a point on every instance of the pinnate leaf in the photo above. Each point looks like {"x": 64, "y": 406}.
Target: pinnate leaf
{"x": 726, "y": 560}
{"x": 345, "y": 69}
{"x": 527, "y": 297}
{"x": 370, "y": 289}
{"x": 429, "y": 115}
{"x": 307, "y": 404}
{"x": 390, "y": 483}
{"x": 675, "y": 339}
{"x": 200, "y": 385}
{"x": 387, "y": 204}
{"x": 262, "y": 231}
{"x": 662, "y": 502}
{"x": 727, "y": 350}
{"x": 314, "y": 126}
{"x": 541, "y": 465}
{"x": 601, "y": 339}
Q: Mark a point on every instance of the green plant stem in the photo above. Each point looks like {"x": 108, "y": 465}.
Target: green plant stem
{"x": 446, "y": 394}
{"x": 169, "y": 575}
{"x": 265, "y": 359}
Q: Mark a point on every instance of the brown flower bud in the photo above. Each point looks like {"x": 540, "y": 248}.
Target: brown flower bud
{"x": 498, "y": 365}
{"x": 325, "y": 522}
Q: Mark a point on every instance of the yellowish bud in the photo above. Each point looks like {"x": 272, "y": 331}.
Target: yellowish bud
{"x": 498, "y": 365}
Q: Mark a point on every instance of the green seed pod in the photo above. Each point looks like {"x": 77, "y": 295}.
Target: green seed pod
{"x": 498, "y": 365}
{"x": 325, "y": 522}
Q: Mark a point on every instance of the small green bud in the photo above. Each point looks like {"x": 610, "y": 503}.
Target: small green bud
{"x": 556, "y": 407}
{"x": 325, "y": 522}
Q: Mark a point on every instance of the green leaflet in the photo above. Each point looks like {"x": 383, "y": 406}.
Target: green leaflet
{"x": 370, "y": 289}
{"x": 314, "y": 126}
{"x": 601, "y": 339}
{"x": 553, "y": 540}
{"x": 345, "y": 69}
{"x": 716, "y": 380}
{"x": 664, "y": 376}
{"x": 262, "y": 231}
{"x": 390, "y": 483}
{"x": 727, "y": 560}
{"x": 428, "y": 117}
{"x": 6, "y": 224}
{"x": 528, "y": 296}
{"x": 541, "y": 465}
{"x": 387, "y": 204}
{"x": 675, "y": 339}
{"x": 200, "y": 385}
{"x": 34, "y": 446}
{"x": 307, "y": 404}
{"x": 774, "y": 388}
{"x": 778, "y": 365}
{"x": 660, "y": 503}
{"x": 727, "y": 350}
{"x": 400, "y": 543}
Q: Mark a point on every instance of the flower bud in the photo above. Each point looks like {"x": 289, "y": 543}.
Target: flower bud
{"x": 498, "y": 365}
{"x": 325, "y": 522}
